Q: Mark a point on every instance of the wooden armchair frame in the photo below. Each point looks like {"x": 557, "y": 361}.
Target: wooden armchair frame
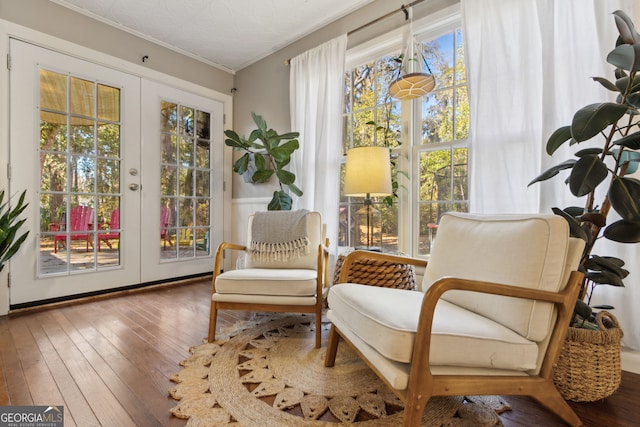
{"x": 423, "y": 384}
{"x": 321, "y": 284}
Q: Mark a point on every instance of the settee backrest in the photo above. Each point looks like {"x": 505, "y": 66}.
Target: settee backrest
{"x": 532, "y": 251}
{"x": 315, "y": 230}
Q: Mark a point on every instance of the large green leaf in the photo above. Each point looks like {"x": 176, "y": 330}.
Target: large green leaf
{"x": 589, "y": 121}
{"x": 553, "y": 171}
{"x": 558, "y": 138}
{"x": 574, "y": 226}
{"x": 260, "y": 161}
{"x": 290, "y": 135}
{"x": 626, "y": 29}
{"x": 285, "y": 176}
{"x": 623, "y": 231}
{"x": 295, "y": 190}
{"x": 260, "y": 122}
{"x": 622, "y": 84}
{"x": 631, "y": 141}
{"x": 582, "y": 309}
{"x": 587, "y": 151}
{"x": 625, "y": 56}
{"x": 607, "y": 84}
{"x": 605, "y": 278}
{"x": 624, "y": 194}
{"x": 588, "y": 172}
{"x": 262, "y": 175}
{"x": 281, "y": 201}
{"x": 284, "y": 151}
{"x": 611, "y": 264}
{"x": 234, "y": 140}
{"x": 241, "y": 165}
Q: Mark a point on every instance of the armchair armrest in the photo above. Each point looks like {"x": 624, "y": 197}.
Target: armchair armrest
{"x": 564, "y": 301}
{"x": 217, "y": 267}
{"x": 323, "y": 266}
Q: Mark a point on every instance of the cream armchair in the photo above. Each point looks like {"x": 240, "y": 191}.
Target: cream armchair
{"x": 297, "y": 285}
{"x": 491, "y": 317}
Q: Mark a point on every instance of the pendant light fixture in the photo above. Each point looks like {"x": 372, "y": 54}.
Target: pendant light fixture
{"x": 412, "y": 81}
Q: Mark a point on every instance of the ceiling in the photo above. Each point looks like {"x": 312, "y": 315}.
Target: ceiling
{"x": 229, "y": 34}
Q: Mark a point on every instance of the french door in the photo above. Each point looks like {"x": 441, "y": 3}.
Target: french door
{"x": 103, "y": 211}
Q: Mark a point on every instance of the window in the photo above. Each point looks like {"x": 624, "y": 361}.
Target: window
{"x": 429, "y": 159}
{"x": 371, "y": 118}
{"x": 185, "y": 181}
{"x": 441, "y": 151}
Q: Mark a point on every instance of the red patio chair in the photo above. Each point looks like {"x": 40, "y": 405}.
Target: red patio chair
{"x": 112, "y": 232}
{"x": 81, "y": 219}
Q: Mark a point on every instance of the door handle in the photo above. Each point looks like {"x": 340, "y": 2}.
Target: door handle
{"x": 133, "y": 186}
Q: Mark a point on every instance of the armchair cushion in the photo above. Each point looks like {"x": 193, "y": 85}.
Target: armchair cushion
{"x": 529, "y": 251}
{"x": 267, "y": 281}
{"x": 387, "y": 319}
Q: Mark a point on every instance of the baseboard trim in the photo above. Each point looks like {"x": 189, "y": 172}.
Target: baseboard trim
{"x": 630, "y": 360}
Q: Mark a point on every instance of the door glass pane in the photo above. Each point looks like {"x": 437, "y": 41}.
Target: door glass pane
{"x": 185, "y": 205}
{"x": 80, "y": 175}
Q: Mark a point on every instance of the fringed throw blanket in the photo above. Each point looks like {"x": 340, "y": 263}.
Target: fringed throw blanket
{"x": 279, "y": 236}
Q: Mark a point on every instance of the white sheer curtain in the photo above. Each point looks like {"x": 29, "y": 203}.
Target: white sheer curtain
{"x": 530, "y": 64}
{"x": 316, "y": 93}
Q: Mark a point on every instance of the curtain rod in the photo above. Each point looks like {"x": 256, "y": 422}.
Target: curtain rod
{"x": 403, "y": 8}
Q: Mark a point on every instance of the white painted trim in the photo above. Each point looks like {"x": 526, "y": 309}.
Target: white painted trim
{"x": 251, "y": 201}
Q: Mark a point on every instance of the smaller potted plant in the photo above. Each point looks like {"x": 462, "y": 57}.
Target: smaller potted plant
{"x": 10, "y": 240}
{"x": 267, "y": 153}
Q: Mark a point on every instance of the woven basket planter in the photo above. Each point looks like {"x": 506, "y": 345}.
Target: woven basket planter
{"x": 588, "y": 368}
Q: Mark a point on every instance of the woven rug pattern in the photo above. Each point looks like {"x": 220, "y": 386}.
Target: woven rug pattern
{"x": 266, "y": 371}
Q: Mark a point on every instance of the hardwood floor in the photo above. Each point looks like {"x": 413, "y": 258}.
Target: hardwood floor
{"x": 108, "y": 361}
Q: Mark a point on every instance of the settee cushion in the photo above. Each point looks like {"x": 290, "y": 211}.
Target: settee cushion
{"x": 387, "y": 320}
{"x": 518, "y": 250}
{"x": 267, "y": 281}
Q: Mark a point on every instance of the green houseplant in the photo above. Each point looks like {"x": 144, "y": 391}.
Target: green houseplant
{"x": 270, "y": 153}
{"x": 588, "y": 368}
{"x": 616, "y": 126}
{"x": 10, "y": 239}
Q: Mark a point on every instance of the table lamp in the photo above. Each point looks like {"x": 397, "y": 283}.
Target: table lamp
{"x": 368, "y": 174}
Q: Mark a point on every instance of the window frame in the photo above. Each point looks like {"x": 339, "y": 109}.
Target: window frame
{"x": 408, "y": 204}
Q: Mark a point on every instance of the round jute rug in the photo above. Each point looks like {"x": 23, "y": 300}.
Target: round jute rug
{"x": 266, "y": 372}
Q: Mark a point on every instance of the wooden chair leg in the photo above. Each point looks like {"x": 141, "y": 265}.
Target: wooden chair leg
{"x": 413, "y": 409}
{"x": 332, "y": 347}
{"x": 213, "y": 318}
{"x": 318, "y": 329}
{"x": 551, "y": 399}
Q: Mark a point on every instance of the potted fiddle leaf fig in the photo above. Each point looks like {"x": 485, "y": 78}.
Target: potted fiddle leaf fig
{"x": 267, "y": 153}
{"x": 10, "y": 239}
{"x": 603, "y": 170}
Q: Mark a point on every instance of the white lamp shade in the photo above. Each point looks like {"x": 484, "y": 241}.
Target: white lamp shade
{"x": 368, "y": 172}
